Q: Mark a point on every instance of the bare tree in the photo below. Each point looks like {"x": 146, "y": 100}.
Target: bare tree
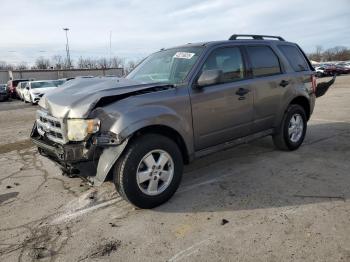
{"x": 22, "y": 66}
{"x": 58, "y": 62}
{"x": 6, "y": 66}
{"x": 131, "y": 65}
{"x": 117, "y": 62}
{"x": 103, "y": 62}
{"x": 337, "y": 53}
{"x": 86, "y": 63}
{"x": 42, "y": 63}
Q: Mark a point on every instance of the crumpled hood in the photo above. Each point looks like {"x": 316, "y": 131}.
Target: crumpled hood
{"x": 77, "y": 97}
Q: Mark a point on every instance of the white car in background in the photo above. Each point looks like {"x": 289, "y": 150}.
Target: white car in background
{"x": 20, "y": 88}
{"x": 34, "y": 90}
{"x": 319, "y": 71}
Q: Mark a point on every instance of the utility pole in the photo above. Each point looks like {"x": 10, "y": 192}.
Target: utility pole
{"x": 67, "y": 48}
{"x": 110, "y": 48}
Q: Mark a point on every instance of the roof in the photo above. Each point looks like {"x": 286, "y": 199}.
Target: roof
{"x": 238, "y": 41}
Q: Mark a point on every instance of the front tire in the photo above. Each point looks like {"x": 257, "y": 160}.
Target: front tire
{"x": 149, "y": 171}
{"x": 292, "y": 130}
{"x": 32, "y": 101}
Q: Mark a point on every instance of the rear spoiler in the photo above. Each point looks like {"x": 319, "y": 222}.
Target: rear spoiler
{"x": 323, "y": 87}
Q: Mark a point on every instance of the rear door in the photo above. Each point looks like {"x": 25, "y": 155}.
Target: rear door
{"x": 219, "y": 113}
{"x": 270, "y": 85}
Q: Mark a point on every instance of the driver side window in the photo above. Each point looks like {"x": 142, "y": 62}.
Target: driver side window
{"x": 229, "y": 60}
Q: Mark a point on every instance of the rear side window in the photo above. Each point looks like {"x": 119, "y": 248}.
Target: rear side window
{"x": 295, "y": 57}
{"x": 264, "y": 61}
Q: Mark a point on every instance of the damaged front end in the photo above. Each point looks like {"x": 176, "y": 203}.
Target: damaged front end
{"x": 73, "y": 129}
{"x": 91, "y": 159}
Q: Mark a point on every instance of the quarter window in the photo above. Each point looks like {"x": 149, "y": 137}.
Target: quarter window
{"x": 295, "y": 57}
{"x": 264, "y": 61}
{"x": 229, "y": 60}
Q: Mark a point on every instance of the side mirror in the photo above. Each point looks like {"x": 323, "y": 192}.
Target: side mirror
{"x": 209, "y": 77}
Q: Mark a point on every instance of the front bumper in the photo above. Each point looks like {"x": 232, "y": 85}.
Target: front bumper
{"x": 92, "y": 160}
{"x": 36, "y": 98}
{"x": 75, "y": 158}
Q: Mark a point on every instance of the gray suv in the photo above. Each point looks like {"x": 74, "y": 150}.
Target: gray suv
{"x": 177, "y": 105}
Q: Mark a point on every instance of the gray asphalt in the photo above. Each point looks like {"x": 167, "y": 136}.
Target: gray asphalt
{"x": 250, "y": 203}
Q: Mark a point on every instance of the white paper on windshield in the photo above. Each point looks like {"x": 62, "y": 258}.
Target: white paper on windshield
{"x": 184, "y": 55}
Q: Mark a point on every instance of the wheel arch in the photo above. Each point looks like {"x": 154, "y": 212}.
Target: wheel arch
{"x": 304, "y": 103}
{"x": 168, "y": 132}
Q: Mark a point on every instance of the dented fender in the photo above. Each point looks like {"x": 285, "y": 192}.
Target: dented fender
{"x": 106, "y": 161}
{"x": 123, "y": 118}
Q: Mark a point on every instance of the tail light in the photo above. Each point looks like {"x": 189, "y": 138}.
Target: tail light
{"x": 313, "y": 83}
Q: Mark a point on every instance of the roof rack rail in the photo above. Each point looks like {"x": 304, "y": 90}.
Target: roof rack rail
{"x": 256, "y": 37}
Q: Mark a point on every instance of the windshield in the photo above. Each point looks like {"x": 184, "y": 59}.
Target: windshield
{"x": 23, "y": 84}
{"x": 169, "y": 66}
{"x": 42, "y": 84}
{"x": 59, "y": 82}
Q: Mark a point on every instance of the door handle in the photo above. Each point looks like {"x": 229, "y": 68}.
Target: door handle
{"x": 284, "y": 83}
{"x": 242, "y": 91}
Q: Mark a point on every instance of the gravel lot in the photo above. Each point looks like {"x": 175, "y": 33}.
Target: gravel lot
{"x": 250, "y": 203}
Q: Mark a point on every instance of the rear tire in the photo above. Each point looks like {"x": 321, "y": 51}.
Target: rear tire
{"x": 140, "y": 165}
{"x": 291, "y": 133}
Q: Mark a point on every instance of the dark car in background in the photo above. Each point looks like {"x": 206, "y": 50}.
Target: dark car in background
{"x": 342, "y": 68}
{"x": 331, "y": 69}
{"x": 11, "y": 87}
{"x": 3, "y": 92}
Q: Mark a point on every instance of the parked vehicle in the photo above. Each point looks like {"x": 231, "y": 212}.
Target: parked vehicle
{"x": 179, "y": 104}
{"x": 328, "y": 69}
{"x": 342, "y": 69}
{"x": 61, "y": 81}
{"x": 320, "y": 71}
{"x": 11, "y": 87}
{"x": 34, "y": 90}
{"x": 19, "y": 89}
{"x": 344, "y": 64}
{"x": 3, "y": 92}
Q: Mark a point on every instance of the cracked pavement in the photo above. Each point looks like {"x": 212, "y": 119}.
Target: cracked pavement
{"x": 249, "y": 203}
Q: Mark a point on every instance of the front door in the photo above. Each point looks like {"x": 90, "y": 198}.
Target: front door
{"x": 223, "y": 111}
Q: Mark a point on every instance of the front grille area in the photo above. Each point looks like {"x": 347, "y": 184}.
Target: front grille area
{"x": 50, "y": 127}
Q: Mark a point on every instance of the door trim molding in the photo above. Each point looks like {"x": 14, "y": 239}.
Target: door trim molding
{"x": 233, "y": 143}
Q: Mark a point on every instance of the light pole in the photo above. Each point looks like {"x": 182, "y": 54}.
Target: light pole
{"x": 67, "y": 48}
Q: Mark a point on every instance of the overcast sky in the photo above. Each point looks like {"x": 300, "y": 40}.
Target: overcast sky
{"x": 33, "y": 28}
